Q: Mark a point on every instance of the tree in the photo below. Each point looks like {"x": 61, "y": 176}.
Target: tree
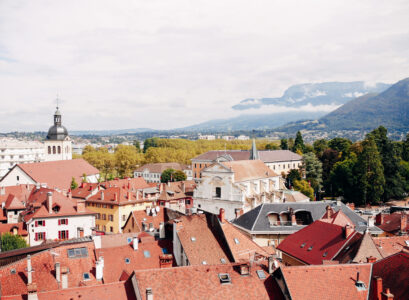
{"x": 343, "y": 181}
{"x": 11, "y": 242}
{"x": 167, "y": 175}
{"x": 298, "y": 143}
{"x": 292, "y": 176}
{"x": 320, "y": 146}
{"x": 126, "y": 159}
{"x": 304, "y": 187}
{"x": 179, "y": 176}
{"x": 405, "y": 148}
{"x": 329, "y": 158}
{"x": 341, "y": 145}
{"x": 151, "y": 142}
{"x": 137, "y": 145}
{"x": 272, "y": 146}
{"x": 284, "y": 144}
{"x": 84, "y": 177}
{"x": 313, "y": 171}
{"x": 370, "y": 172}
{"x": 74, "y": 184}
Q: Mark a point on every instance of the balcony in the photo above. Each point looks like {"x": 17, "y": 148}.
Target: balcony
{"x": 280, "y": 223}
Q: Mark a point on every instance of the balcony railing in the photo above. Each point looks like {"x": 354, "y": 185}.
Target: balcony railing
{"x": 280, "y": 223}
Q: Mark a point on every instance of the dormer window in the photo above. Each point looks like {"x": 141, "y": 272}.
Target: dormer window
{"x": 56, "y": 208}
{"x": 224, "y": 278}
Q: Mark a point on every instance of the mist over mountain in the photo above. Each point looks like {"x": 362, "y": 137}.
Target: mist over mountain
{"x": 334, "y": 93}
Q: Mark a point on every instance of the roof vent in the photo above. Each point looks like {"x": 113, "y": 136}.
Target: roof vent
{"x": 407, "y": 243}
{"x": 222, "y": 260}
{"x": 236, "y": 240}
{"x": 325, "y": 254}
{"x": 13, "y": 271}
{"x": 224, "y": 278}
{"x": 204, "y": 262}
{"x": 309, "y": 249}
{"x": 86, "y": 276}
{"x": 302, "y": 245}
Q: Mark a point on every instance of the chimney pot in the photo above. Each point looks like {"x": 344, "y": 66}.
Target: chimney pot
{"x": 348, "y": 230}
{"x": 50, "y": 202}
{"x": 135, "y": 243}
{"x": 403, "y": 222}
{"x": 222, "y": 215}
{"x": 329, "y": 212}
{"x": 149, "y": 294}
{"x": 378, "y": 287}
{"x": 379, "y": 219}
{"x": 102, "y": 195}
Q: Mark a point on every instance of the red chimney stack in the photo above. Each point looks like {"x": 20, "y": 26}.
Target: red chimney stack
{"x": 221, "y": 215}
{"x": 379, "y": 219}
{"x": 403, "y": 222}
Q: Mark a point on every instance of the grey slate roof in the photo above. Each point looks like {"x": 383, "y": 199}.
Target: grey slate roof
{"x": 256, "y": 220}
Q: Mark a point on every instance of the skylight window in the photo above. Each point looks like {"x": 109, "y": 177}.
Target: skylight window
{"x": 146, "y": 253}
{"x": 261, "y": 274}
{"x": 223, "y": 261}
{"x": 224, "y": 278}
{"x": 309, "y": 249}
{"x": 407, "y": 243}
{"x": 128, "y": 240}
{"x": 204, "y": 262}
{"x": 77, "y": 252}
{"x": 302, "y": 245}
{"x": 360, "y": 285}
{"x": 236, "y": 241}
{"x": 325, "y": 254}
{"x": 13, "y": 271}
{"x": 127, "y": 260}
{"x": 86, "y": 276}
{"x": 193, "y": 239}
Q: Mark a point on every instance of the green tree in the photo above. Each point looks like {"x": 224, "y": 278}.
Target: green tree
{"x": 137, "y": 145}
{"x": 313, "y": 171}
{"x": 329, "y": 158}
{"x": 292, "y": 176}
{"x": 298, "y": 143}
{"x": 370, "y": 172}
{"x": 284, "y": 144}
{"x": 304, "y": 187}
{"x": 272, "y": 146}
{"x": 74, "y": 184}
{"x": 405, "y": 148}
{"x": 167, "y": 175}
{"x": 341, "y": 145}
{"x": 151, "y": 142}
{"x": 343, "y": 181}
{"x": 179, "y": 176}
{"x": 84, "y": 178}
{"x": 126, "y": 160}
{"x": 11, "y": 242}
{"x": 320, "y": 146}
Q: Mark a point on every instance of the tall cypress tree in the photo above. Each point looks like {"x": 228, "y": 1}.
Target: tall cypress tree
{"x": 370, "y": 172}
{"x": 298, "y": 143}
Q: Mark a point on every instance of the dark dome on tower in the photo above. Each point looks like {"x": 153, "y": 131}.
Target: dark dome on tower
{"x": 57, "y": 132}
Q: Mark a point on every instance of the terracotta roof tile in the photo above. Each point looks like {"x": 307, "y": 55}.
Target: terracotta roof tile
{"x": 203, "y": 282}
{"x": 21, "y": 228}
{"x": 391, "y": 245}
{"x": 21, "y": 191}
{"x": 249, "y": 170}
{"x": 327, "y": 282}
{"x": 58, "y": 174}
{"x": 391, "y": 223}
{"x": 198, "y": 241}
{"x": 337, "y": 218}
{"x": 317, "y": 242}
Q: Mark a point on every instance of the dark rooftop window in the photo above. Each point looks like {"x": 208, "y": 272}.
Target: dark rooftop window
{"x": 224, "y": 278}
{"x": 325, "y": 254}
{"x": 127, "y": 261}
{"x": 302, "y": 245}
{"x": 360, "y": 285}
{"x": 13, "y": 271}
{"x": 86, "y": 276}
{"x": 309, "y": 249}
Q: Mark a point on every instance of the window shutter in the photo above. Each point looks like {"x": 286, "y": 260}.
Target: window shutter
{"x": 67, "y": 234}
{"x": 66, "y": 221}
{"x": 44, "y": 237}
{"x": 44, "y": 223}
{"x": 36, "y": 223}
{"x": 59, "y": 235}
{"x": 36, "y": 237}
{"x": 59, "y": 221}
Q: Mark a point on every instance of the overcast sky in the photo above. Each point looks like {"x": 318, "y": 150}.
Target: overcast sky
{"x": 166, "y": 64}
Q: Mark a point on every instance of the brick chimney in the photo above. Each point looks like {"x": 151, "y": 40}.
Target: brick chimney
{"x": 348, "y": 230}
{"x": 293, "y": 219}
{"x": 166, "y": 261}
{"x": 329, "y": 212}
{"x": 183, "y": 187}
{"x": 50, "y": 202}
{"x": 99, "y": 268}
{"x": 115, "y": 197}
{"x": 351, "y": 206}
{"x": 379, "y": 219}
{"x": 80, "y": 206}
{"x": 270, "y": 264}
{"x": 102, "y": 196}
{"x": 58, "y": 272}
{"x": 32, "y": 291}
{"x": 29, "y": 271}
{"x": 221, "y": 215}
{"x": 371, "y": 259}
{"x": 387, "y": 295}
{"x": 377, "y": 283}
{"x": 64, "y": 277}
{"x": 129, "y": 196}
{"x": 238, "y": 212}
{"x": 403, "y": 222}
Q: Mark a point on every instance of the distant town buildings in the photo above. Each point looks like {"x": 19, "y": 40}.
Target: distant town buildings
{"x": 153, "y": 172}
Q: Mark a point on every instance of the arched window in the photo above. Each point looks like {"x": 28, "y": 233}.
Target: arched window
{"x": 49, "y": 149}
{"x": 274, "y": 219}
{"x": 59, "y": 149}
{"x": 54, "y": 150}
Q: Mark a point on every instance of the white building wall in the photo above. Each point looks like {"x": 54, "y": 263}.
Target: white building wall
{"x": 15, "y": 177}
{"x": 284, "y": 166}
{"x": 65, "y": 150}
{"x": 51, "y": 228}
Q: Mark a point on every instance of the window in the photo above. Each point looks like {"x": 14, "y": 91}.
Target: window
{"x": 111, "y": 217}
{"x": 104, "y": 228}
{"x": 187, "y": 202}
{"x": 77, "y": 252}
{"x": 63, "y": 235}
{"x": 40, "y": 236}
{"x": 218, "y": 192}
{"x": 18, "y": 177}
{"x": 104, "y": 216}
{"x": 63, "y": 222}
{"x": 59, "y": 149}
{"x": 98, "y": 205}
{"x": 146, "y": 253}
{"x": 127, "y": 261}
{"x": 236, "y": 240}
{"x": 54, "y": 150}
{"x": 123, "y": 217}
{"x": 261, "y": 274}
{"x": 97, "y": 226}
{"x": 111, "y": 229}
{"x": 86, "y": 276}
{"x": 224, "y": 278}
{"x": 49, "y": 149}
{"x": 98, "y": 216}
{"x": 40, "y": 223}
{"x": 112, "y": 207}
{"x": 104, "y": 206}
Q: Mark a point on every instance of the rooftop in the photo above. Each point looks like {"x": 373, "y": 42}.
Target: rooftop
{"x": 391, "y": 245}
{"x": 160, "y": 167}
{"x": 249, "y": 170}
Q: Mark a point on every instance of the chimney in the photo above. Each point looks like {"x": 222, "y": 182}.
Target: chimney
{"x": 149, "y": 294}
{"x": 102, "y": 196}
{"x": 348, "y": 230}
{"x": 29, "y": 270}
{"x": 69, "y": 194}
{"x": 64, "y": 277}
{"x": 183, "y": 187}
{"x": 293, "y": 219}
{"x": 244, "y": 269}
{"x": 270, "y": 264}
{"x": 137, "y": 195}
{"x": 221, "y": 215}
{"x": 32, "y": 291}
{"x": 351, "y": 206}
{"x": 135, "y": 243}
{"x": 99, "y": 268}
{"x": 371, "y": 259}
{"x": 168, "y": 183}
{"x": 50, "y": 202}
{"x": 115, "y": 197}
{"x": 80, "y": 206}
{"x": 387, "y": 295}
{"x": 58, "y": 272}
{"x": 371, "y": 221}
{"x": 38, "y": 186}
{"x": 2, "y": 190}
{"x": 162, "y": 230}
{"x": 148, "y": 210}
{"x": 377, "y": 287}
{"x": 379, "y": 219}
{"x": 129, "y": 196}
{"x": 329, "y": 212}
{"x": 403, "y": 222}
{"x": 166, "y": 261}
{"x": 160, "y": 187}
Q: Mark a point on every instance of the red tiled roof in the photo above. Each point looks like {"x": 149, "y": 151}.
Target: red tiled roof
{"x": 241, "y": 246}
{"x": 146, "y": 257}
{"x": 338, "y": 218}
{"x": 394, "y": 271}
{"x": 58, "y": 174}
{"x": 118, "y": 196}
{"x": 249, "y": 170}
{"x": 43, "y": 264}
{"x": 84, "y": 190}
{"x": 203, "y": 283}
{"x": 140, "y": 216}
{"x": 122, "y": 290}
{"x": 391, "y": 245}
{"x": 116, "y": 240}
{"x": 327, "y": 282}
{"x": 137, "y": 183}
{"x": 13, "y": 202}
{"x": 21, "y": 191}
{"x": 198, "y": 241}
{"x": 39, "y": 205}
{"x": 391, "y": 223}
{"x": 317, "y": 242}
{"x": 21, "y": 230}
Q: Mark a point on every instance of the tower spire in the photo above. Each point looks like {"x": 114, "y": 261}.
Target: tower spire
{"x": 254, "y": 152}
